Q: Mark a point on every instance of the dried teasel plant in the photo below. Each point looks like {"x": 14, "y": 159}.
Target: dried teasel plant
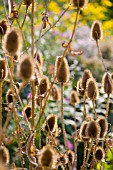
{"x": 3, "y": 27}
{"x": 80, "y": 3}
{"x": 74, "y": 99}
{"x": 85, "y": 77}
{"x": 38, "y": 57}
{"x": 99, "y": 153}
{"x": 50, "y": 123}
{"x": 27, "y": 111}
{"x": 102, "y": 121}
{"x": 4, "y": 155}
{"x": 96, "y": 31}
{"x": 80, "y": 89}
{"x": 55, "y": 93}
{"x": 43, "y": 86}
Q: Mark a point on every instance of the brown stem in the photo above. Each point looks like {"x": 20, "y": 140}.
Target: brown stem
{"x": 107, "y": 104}
{"x": 85, "y": 149}
{"x": 24, "y": 17}
{"x": 84, "y": 102}
{"x": 0, "y": 105}
{"x": 93, "y": 102}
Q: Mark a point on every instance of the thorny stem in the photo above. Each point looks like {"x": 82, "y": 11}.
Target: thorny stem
{"x": 0, "y": 105}
{"x": 84, "y": 102}
{"x": 107, "y": 104}
{"x": 93, "y": 102}
{"x": 24, "y": 17}
{"x": 85, "y": 149}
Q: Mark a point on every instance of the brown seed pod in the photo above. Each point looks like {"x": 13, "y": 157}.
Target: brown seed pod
{"x": 25, "y": 68}
{"x": 99, "y": 153}
{"x": 38, "y": 57}
{"x": 43, "y": 86}
{"x": 3, "y": 69}
{"x": 74, "y": 98}
{"x": 107, "y": 83}
{"x": 86, "y": 75}
{"x": 3, "y": 27}
{"x": 80, "y": 89}
{"x": 102, "y": 121}
{"x": 71, "y": 156}
{"x": 27, "y": 2}
{"x": 61, "y": 70}
{"x": 13, "y": 42}
{"x": 28, "y": 111}
{"x": 47, "y": 157}
{"x": 55, "y": 93}
{"x": 92, "y": 89}
{"x": 96, "y": 31}
{"x": 9, "y": 96}
{"x": 92, "y": 129}
{"x": 50, "y": 123}
{"x": 4, "y": 155}
{"x": 79, "y": 3}
{"x": 83, "y": 136}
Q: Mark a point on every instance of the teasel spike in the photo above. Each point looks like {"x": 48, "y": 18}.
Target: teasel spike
{"x": 74, "y": 99}
{"x": 102, "y": 121}
{"x": 80, "y": 89}
{"x": 50, "y": 123}
{"x": 27, "y": 111}
{"x": 55, "y": 93}
{"x": 38, "y": 57}
{"x": 96, "y": 31}
{"x": 99, "y": 153}
{"x": 4, "y": 155}
{"x": 80, "y": 3}
{"x": 43, "y": 86}
{"x": 3, "y": 27}
{"x": 82, "y": 131}
{"x": 86, "y": 75}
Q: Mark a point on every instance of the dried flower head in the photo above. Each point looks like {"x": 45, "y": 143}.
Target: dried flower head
{"x": 80, "y": 89}
{"x": 96, "y": 30}
{"x": 79, "y": 3}
{"x": 62, "y": 70}
{"x": 62, "y": 159}
{"x": 71, "y": 156}
{"x": 4, "y": 155}
{"x": 46, "y": 159}
{"x": 38, "y": 57}
{"x": 86, "y": 75}
{"x": 43, "y": 86}
{"x": 92, "y": 129}
{"x": 74, "y": 98}
{"x": 27, "y": 2}
{"x": 13, "y": 42}
{"x": 99, "y": 153}
{"x": 3, "y": 27}
{"x": 28, "y": 111}
{"x": 92, "y": 89}
{"x": 55, "y": 93}
{"x": 83, "y": 131}
{"x": 50, "y": 123}
{"x": 25, "y": 68}
{"x": 107, "y": 83}
{"x": 102, "y": 121}
{"x": 3, "y": 69}
{"x": 9, "y": 96}
{"x": 112, "y": 76}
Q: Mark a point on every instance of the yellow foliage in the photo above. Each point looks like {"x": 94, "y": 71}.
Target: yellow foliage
{"x": 53, "y": 7}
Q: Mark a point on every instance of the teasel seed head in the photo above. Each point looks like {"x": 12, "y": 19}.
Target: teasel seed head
{"x": 99, "y": 153}
{"x": 28, "y": 111}
{"x": 13, "y": 42}
{"x": 9, "y": 96}
{"x": 3, "y": 27}
{"x": 96, "y": 31}
{"x": 26, "y": 68}
{"x": 50, "y": 123}
{"x": 74, "y": 98}
{"x": 47, "y": 157}
{"x": 38, "y": 57}
{"x": 102, "y": 121}
{"x": 62, "y": 73}
{"x": 79, "y": 3}
{"x": 27, "y": 2}
{"x": 3, "y": 69}
{"x": 62, "y": 159}
{"x": 4, "y": 155}
{"x": 71, "y": 156}
{"x": 107, "y": 83}
{"x": 92, "y": 89}
{"x": 55, "y": 93}
{"x": 92, "y": 129}
{"x": 43, "y": 86}
{"x": 86, "y": 75}
{"x": 83, "y": 136}
{"x": 80, "y": 89}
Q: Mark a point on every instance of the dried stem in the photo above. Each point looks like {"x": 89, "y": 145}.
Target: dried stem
{"x": 84, "y": 102}
{"x": 24, "y": 17}
{"x": 85, "y": 149}
{"x": 93, "y": 102}
{"x": 107, "y": 104}
{"x": 0, "y": 105}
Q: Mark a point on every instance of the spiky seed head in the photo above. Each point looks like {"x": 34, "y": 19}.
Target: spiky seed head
{"x": 46, "y": 159}
{"x": 107, "y": 83}
{"x": 96, "y": 31}
{"x": 80, "y": 89}
{"x": 71, "y": 156}
{"x": 92, "y": 89}
{"x": 43, "y": 86}
{"x": 55, "y": 93}
{"x": 38, "y": 57}
{"x": 50, "y": 123}
{"x": 9, "y": 96}
{"x": 28, "y": 111}
{"x": 102, "y": 121}
{"x": 27, "y": 2}
{"x": 3, "y": 27}
{"x": 3, "y": 69}
{"x": 74, "y": 98}
{"x": 83, "y": 131}
{"x": 26, "y": 68}
{"x": 62, "y": 70}
{"x": 79, "y": 3}
{"x": 13, "y": 42}
{"x": 86, "y": 75}
{"x": 92, "y": 129}
{"x": 99, "y": 153}
{"x": 62, "y": 159}
{"x": 4, "y": 155}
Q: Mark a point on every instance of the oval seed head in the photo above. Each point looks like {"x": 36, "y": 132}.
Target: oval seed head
{"x": 4, "y": 155}
{"x": 62, "y": 73}
{"x": 99, "y": 153}
{"x": 74, "y": 98}
{"x": 9, "y": 96}
{"x": 92, "y": 129}
{"x": 86, "y": 75}
{"x": 71, "y": 156}
{"x": 13, "y": 42}
{"x": 79, "y": 3}
{"x": 92, "y": 89}
{"x": 80, "y": 89}
{"x": 50, "y": 123}
{"x": 107, "y": 83}
{"x": 102, "y": 121}
{"x": 55, "y": 93}
{"x": 46, "y": 159}
{"x": 3, "y": 69}
{"x": 43, "y": 86}
{"x": 25, "y": 68}
{"x": 27, "y": 2}
{"x": 83, "y": 131}
{"x": 38, "y": 57}
{"x": 96, "y": 30}
{"x": 28, "y": 111}
{"x": 3, "y": 27}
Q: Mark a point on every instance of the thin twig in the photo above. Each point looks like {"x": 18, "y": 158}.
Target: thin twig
{"x": 93, "y": 102}
{"x": 24, "y": 17}
{"x": 107, "y": 104}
